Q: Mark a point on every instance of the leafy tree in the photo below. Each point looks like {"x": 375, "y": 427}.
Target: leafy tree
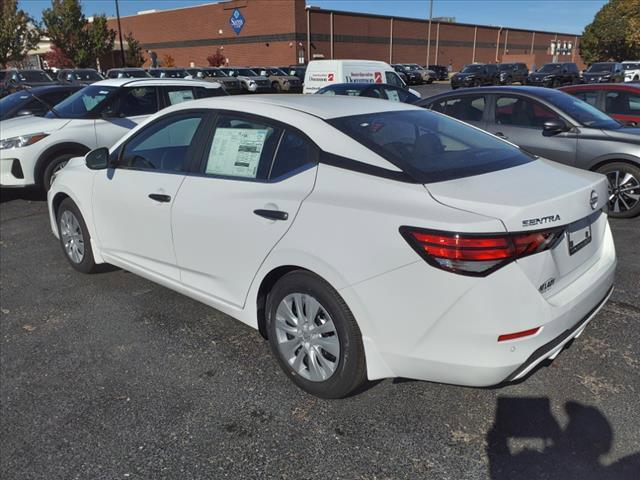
{"x": 18, "y": 33}
{"x": 56, "y": 58}
{"x": 217, "y": 59}
{"x": 168, "y": 61}
{"x": 83, "y": 42}
{"x": 614, "y": 33}
{"x": 133, "y": 53}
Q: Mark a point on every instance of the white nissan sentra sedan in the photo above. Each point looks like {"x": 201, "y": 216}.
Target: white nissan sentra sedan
{"x": 363, "y": 238}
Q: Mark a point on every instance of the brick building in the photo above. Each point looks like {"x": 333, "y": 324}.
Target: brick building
{"x": 283, "y": 32}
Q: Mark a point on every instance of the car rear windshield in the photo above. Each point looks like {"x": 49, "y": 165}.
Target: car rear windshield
{"x": 91, "y": 75}
{"x": 631, "y": 66}
{"x": 132, "y": 74}
{"x": 600, "y": 67}
{"x": 431, "y": 147}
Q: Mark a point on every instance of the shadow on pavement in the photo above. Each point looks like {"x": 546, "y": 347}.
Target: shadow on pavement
{"x": 33, "y": 194}
{"x": 526, "y": 442}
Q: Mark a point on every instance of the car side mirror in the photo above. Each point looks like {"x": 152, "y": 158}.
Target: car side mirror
{"x": 553, "y": 127}
{"x": 97, "y": 159}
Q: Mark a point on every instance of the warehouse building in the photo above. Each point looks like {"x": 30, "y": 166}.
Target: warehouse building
{"x": 284, "y": 32}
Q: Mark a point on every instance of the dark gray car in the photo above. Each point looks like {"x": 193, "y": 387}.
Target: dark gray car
{"x": 557, "y": 126}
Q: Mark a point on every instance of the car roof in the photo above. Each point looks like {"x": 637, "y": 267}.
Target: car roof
{"x": 136, "y": 82}
{"x": 540, "y": 92}
{"x": 602, "y": 86}
{"x": 321, "y": 106}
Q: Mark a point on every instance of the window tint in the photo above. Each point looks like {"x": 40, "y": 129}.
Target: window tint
{"x": 36, "y": 107}
{"x": 56, "y": 97}
{"x": 372, "y": 92}
{"x": 392, "y": 78}
{"x": 591, "y": 97}
{"x": 294, "y": 152}
{"x": 162, "y": 146}
{"x": 177, "y": 95}
{"x": 136, "y": 101}
{"x": 622, "y": 103}
{"x": 522, "y": 112}
{"x": 241, "y": 148}
{"x": 468, "y": 108}
{"x": 430, "y": 148}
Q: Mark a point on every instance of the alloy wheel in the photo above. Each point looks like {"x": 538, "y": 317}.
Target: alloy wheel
{"x": 72, "y": 237}
{"x": 307, "y": 338}
{"x": 624, "y": 191}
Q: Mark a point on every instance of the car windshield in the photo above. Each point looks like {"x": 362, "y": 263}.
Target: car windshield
{"x": 91, "y": 75}
{"x": 276, "y": 71}
{"x": 472, "y": 68}
{"x": 13, "y": 101}
{"x": 431, "y": 147}
{"x": 631, "y": 66}
{"x": 586, "y": 114}
{"x": 600, "y": 67}
{"x": 214, "y": 73}
{"x": 82, "y": 102}
{"x": 505, "y": 66}
{"x": 34, "y": 76}
{"x": 549, "y": 68}
{"x": 245, "y": 72}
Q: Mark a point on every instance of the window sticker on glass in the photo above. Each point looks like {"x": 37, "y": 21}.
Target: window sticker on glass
{"x": 236, "y": 152}
{"x": 393, "y": 95}
{"x": 179, "y": 96}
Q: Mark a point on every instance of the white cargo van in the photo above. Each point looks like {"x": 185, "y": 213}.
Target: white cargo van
{"x": 321, "y": 73}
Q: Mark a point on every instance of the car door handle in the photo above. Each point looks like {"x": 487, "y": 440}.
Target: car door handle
{"x": 501, "y": 135}
{"x": 159, "y": 197}
{"x": 272, "y": 214}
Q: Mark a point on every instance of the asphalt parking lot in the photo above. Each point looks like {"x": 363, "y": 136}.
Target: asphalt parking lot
{"x": 113, "y": 377}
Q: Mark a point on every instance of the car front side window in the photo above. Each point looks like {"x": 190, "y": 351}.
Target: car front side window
{"x": 522, "y": 112}
{"x": 468, "y": 108}
{"x": 163, "y": 146}
{"x": 136, "y": 101}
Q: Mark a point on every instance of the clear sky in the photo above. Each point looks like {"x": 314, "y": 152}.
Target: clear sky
{"x": 568, "y": 16}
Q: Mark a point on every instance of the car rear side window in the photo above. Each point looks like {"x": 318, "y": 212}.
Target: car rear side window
{"x": 163, "y": 146}
{"x": 430, "y": 147}
{"x": 177, "y": 95}
{"x": 202, "y": 92}
{"x": 295, "y": 153}
{"x": 591, "y": 96}
{"x": 468, "y": 108}
{"x": 241, "y": 148}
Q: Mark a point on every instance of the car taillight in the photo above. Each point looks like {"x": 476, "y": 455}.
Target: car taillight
{"x": 477, "y": 254}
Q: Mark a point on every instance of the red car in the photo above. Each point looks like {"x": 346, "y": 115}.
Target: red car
{"x": 618, "y": 100}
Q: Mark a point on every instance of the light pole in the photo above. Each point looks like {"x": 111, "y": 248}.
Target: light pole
{"x": 120, "y": 35}
{"x": 429, "y": 33}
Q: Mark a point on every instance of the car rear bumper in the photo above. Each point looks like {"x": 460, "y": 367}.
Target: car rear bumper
{"x": 444, "y": 329}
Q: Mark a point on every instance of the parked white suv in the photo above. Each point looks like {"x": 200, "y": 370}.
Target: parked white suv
{"x": 32, "y": 149}
{"x": 631, "y": 71}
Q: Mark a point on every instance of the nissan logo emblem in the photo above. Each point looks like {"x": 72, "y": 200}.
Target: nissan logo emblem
{"x": 593, "y": 201}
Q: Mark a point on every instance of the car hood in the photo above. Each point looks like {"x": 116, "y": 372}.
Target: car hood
{"x": 14, "y": 127}
{"x": 625, "y": 134}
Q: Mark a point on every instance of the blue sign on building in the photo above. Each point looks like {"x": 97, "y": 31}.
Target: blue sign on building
{"x": 236, "y": 21}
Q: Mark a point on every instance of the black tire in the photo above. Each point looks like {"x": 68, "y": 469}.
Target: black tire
{"x": 350, "y": 372}
{"x": 86, "y": 265}
{"x": 45, "y": 181}
{"x": 508, "y": 81}
{"x": 276, "y": 87}
{"x": 556, "y": 83}
{"x": 624, "y": 168}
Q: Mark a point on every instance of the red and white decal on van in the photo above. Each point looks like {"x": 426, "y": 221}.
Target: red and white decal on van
{"x": 330, "y": 77}
{"x": 378, "y": 77}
